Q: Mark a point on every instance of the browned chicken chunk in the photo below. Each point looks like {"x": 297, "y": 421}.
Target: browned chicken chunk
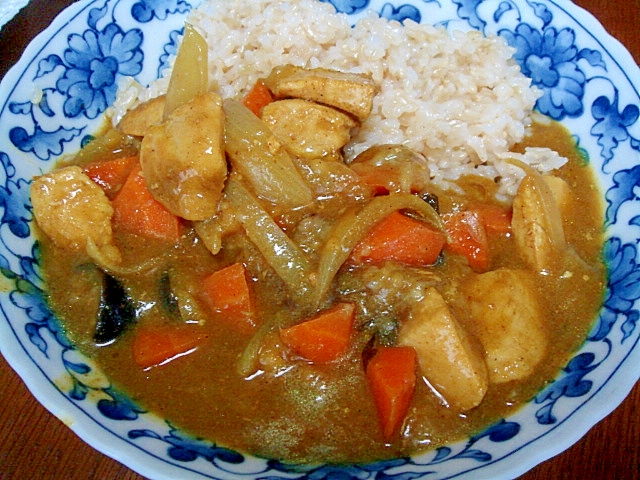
{"x": 447, "y": 358}
{"x": 350, "y": 92}
{"x": 505, "y": 308}
{"x": 137, "y": 122}
{"x": 307, "y": 129}
{"x": 74, "y": 211}
{"x": 183, "y": 159}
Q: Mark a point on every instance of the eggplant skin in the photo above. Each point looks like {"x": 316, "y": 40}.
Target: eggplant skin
{"x": 116, "y": 312}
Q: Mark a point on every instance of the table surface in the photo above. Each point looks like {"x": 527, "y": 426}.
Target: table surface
{"x": 35, "y": 444}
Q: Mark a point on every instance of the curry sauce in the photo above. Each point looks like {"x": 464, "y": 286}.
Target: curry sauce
{"x": 288, "y": 407}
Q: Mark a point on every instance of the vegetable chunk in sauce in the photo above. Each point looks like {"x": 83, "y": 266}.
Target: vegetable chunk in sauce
{"x": 313, "y": 310}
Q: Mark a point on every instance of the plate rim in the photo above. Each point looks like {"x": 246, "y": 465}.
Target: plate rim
{"x": 45, "y": 391}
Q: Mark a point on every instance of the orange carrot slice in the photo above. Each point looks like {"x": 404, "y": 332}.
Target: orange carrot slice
{"x": 324, "y": 337}
{"x": 391, "y": 374}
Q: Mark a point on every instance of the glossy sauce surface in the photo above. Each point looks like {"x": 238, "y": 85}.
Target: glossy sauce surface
{"x": 309, "y": 412}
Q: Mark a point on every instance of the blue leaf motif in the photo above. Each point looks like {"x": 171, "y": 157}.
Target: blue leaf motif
{"x": 606, "y": 321}
{"x": 146, "y": 10}
{"x": 120, "y": 407}
{"x": 95, "y": 14}
{"x": 43, "y": 104}
{"x": 545, "y": 415}
{"x": 376, "y": 470}
{"x": 501, "y": 431}
{"x": 33, "y": 332}
{"x": 570, "y": 384}
{"x": 80, "y": 368}
{"x": 542, "y": 12}
{"x": 503, "y": 8}
{"x": 635, "y": 221}
{"x": 21, "y": 108}
{"x": 48, "y": 65}
{"x": 43, "y": 144}
{"x": 467, "y": 9}
{"x": 186, "y": 449}
{"x": 14, "y": 198}
{"x": 170, "y": 49}
{"x": 79, "y": 391}
{"x": 624, "y": 184}
{"x": 477, "y": 455}
{"x": 401, "y": 13}
{"x": 593, "y": 57}
{"x": 611, "y": 125}
{"x": 5, "y": 269}
{"x": 624, "y": 290}
{"x": 348, "y": 6}
{"x": 441, "y": 454}
{"x": 28, "y": 296}
{"x": 403, "y": 475}
{"x": 9, "y": 168}
{"x": 133, "y": 434}
{"x": 629, "y": 325}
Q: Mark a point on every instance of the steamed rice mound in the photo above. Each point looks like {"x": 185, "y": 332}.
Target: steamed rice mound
{"x": 458, "y": 98}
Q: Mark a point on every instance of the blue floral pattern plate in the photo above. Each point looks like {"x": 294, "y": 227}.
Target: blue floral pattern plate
{"x": 55, "y": 97}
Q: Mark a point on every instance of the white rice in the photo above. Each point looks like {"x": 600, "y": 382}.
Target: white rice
{"x": 458, "y": 98}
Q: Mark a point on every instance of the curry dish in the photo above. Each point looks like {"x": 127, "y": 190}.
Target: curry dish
{"x": 229, "y": 271}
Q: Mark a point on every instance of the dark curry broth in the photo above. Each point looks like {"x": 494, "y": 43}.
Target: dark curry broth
{"x": 321, "y": 412}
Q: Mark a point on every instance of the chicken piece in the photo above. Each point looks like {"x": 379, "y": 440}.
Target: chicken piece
{"x": 350, "y": 92}
{"x": 504, "y": 306}
{"x": 307, "y": 129}
{"x": 183, "y": 159}
{"x": 73, "y": 211}
{"x": 137, "y": 122}
{"x": 537, "y": 224}
{"x": 447, "y": 358}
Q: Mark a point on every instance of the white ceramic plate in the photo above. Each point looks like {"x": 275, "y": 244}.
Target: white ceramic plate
{"x": 55, "y": 96}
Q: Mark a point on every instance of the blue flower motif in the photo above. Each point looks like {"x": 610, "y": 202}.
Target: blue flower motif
{"x": 550, "y": 58}
{"x": 94, "y": 61}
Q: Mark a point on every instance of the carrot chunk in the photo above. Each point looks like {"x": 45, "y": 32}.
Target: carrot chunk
{"x": 378, "y": 177}
{"x": 400, "y": 238}
{"x": 227, "y": 292}
{"x": 496, "y": 220}
{"x": 468, "y": 237}
{"x": 391, "y": 374}
{"x": 136, "y": 211}
{"x": 324, "y": 337}
{"x": 111, "y": 174}
{"x": 154, "y": 346}
{"x": 469, "y": 232}
{"x": 257, "y": 97}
